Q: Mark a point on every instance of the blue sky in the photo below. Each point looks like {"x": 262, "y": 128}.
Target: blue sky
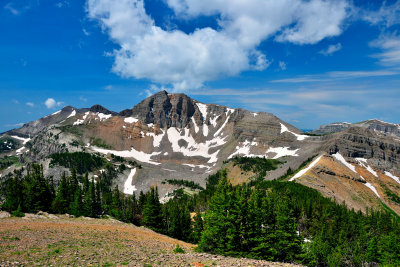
{"x": 308, "y": 62}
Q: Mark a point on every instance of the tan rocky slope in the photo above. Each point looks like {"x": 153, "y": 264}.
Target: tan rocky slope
{"x": 62, "y": 241}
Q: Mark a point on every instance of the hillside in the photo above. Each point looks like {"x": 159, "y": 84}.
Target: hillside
{"x": 60, "y": 241}
{"x": 175, "y": 137}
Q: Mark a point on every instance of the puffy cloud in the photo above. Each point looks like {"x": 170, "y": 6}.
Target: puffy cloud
{"x": 187, "y": 60}
{"x": 51, "y": 103}
{"x": 30, "y": 104}
{"x": 331, "y": 49}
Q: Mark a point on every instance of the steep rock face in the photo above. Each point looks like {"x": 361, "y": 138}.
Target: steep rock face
{"x": 165, "y": 110}
{"x": 331, "y": 128}
{"x": 101, "y": 109}
{"x": 358, "y": 142}
{"x": 374, "y": 124}
{"x": 381, "y": 126}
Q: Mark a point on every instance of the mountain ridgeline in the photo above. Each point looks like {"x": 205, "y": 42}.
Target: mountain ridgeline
{"x": 235, "y": 182}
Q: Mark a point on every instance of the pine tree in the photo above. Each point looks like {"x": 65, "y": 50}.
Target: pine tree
{"x": 152, "y": 213}
{"x": 61, "y": 202}
{"x": 37, "y": 192}
{"x": 14, "y": 198}
{"x": 197, "y": 228}
{"x": 76, "y": 207}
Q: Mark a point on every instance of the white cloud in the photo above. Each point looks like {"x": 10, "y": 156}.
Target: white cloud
{"x": 331, "y": 49}
{"x": 282, "y": 65}
{"x": 30, "y": 104}
{"x": 108, "y": 87}
{"x": 334, "y": 75}
{"x": 83, "y": 99}
{"x": 187, "y": 60}
{"x": 390, "y": 46}
{"x": 9, "y": 6}
{"x": 51, "y": 103}
{"x": 387, "y": 15}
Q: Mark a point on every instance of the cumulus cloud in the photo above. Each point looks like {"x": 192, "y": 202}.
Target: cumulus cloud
{"x": 51, "y": 103}
{"x": 30, "y": 104}
{"x": 187, "y": 60}
{"x": 331, "y": 49}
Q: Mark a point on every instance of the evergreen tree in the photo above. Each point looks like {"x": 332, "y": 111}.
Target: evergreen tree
{"x": 61, "y": 202}
{"x": 76, "y": 207}
{"x": 152, "y": 213}
{"x": 197, "y": 228}
{"x": 14, "y": 197}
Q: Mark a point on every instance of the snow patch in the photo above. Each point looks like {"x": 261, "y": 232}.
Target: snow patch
{"x": 196, "y": 128}
{"x": 254, "y": 114}
{"x": 128, "y": 187}
{"x": 193, "y": 148}
{"x": 214, "y": 121}
{"x": 198, "y": 166}
{"x": 169, "y": 170}
{"x": 133, "y": 153}
{"x": 231, "y": 110}
{"x": 244, "y": 149}
{"x": 78, "y": 121}
{"x": 55, "y": 113}
{"x": 19, "y": 150}
{"x": 205, "y": 129}
{"x": 299, "y": 137}
{"x": 73, "y": 113}
{"x": 222, "y": 127}
{"x": 363, "y": 162}
{"x": 131, "y": 120}
{"x": 156, "y": 138}
{"x": 103, "y": 116}
{"x": 24, "y": 140}
{"x": 282, "y": 152}
{"x": 370, "y": 186}
{"x": 342, "y": 160}
{"x": 304, "y": 171}
{"x": 203, "y": 110}
{"x": 397, "y": 179}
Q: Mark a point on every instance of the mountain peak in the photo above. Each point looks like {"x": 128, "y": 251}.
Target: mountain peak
{"x": 101, "y": 109}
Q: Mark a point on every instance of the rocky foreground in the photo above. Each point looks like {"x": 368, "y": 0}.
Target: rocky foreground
{"x": 49, "y": 240}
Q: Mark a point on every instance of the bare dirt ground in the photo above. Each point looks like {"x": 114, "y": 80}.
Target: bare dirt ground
{"x": 47, "y": 240}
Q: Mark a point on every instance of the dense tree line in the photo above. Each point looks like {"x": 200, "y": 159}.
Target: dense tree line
{"x": 80, "y": 161}
{"x": 272, "y": 220}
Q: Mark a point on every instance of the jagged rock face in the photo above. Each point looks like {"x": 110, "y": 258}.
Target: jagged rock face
{"x": 101, "y": 109}
{"x": 165, "y": 110}
{"x": 381, "y": 126}
{"x": 375, "y": 125}
{"x": 358, "y": 142}
{"x": 331, "y": 128}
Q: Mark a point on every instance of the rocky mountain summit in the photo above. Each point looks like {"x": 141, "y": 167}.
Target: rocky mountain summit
{"x": 176, "y": 137}
{"x": 374, "y": 124}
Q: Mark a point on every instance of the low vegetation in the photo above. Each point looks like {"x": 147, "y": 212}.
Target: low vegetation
{"x": 186, "y": 183}
{"x": 7, "y": 161}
